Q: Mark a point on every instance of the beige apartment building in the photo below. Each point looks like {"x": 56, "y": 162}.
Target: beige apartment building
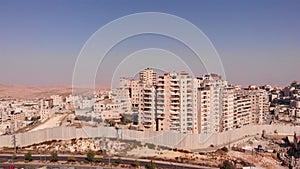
{"x": 148, "y": 76}
{"x": 204, "y": 115}
{"x": 147, "y": 107}
{"x": 135, "y": 90}
{"x": 212, "y": 98}
{"x": 260, "y": 105}
{"x": 228, "y": 109}
{"x": 242, "y": 109}
{"x": 177, "y": 103}
{"x": 121, "y": 96}
{"x": 142, "y": 94}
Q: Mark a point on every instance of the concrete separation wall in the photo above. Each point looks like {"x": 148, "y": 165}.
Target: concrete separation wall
{"x": 192, "y": 142}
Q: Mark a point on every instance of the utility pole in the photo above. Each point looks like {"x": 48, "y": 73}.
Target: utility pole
{"x": 14, "y": 141}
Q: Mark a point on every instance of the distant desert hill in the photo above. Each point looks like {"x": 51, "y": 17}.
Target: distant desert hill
{"x": 33, "y": 92}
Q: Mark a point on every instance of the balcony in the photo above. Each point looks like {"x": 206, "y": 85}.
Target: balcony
{"x": 174, "y": 127}
{"x": 174, "y": 88}
{"x": 174, "y": 118}
{"x": 147, "y": 109}
{"x": 148, "y": 106}
{"x": 147, "y": 101}
{"x": 160, "y": 102}
{"x": 175, "y": 94}
{"x": 148, "y": 95}
{"x": 189, "y": 113}
{"x": 147, "y": 121}
{"x": 147, "y": 125}
{"x": 161, "y": 116}
{"x": 175, "y": 103}
{"x": 175, "y": 98}
{"x": 175, "y": 122}
{"x": 175, "y": 107}
{"x": 174, "y": 112}
{"x": 174, "y": 85}
{"x": 160, "y": 83}
{"x": 148, "y": 114}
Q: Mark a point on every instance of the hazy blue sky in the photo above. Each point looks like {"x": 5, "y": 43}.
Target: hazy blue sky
{"x": 258, "y": 41}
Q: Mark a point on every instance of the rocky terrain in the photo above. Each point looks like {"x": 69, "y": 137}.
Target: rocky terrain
{"x": 126, "y": 148}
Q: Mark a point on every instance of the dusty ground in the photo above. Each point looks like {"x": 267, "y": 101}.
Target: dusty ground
{"x": 34, "y": 92}
{"x": 137, "y": 149}
{"x": 52, "y": 122}
{"x": 262, "y": 160}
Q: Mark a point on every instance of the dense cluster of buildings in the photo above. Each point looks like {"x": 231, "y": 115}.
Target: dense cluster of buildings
{"x": 172, "y": 101}
{"x": 176, "y": 101}
{"x": 285, "y": 104}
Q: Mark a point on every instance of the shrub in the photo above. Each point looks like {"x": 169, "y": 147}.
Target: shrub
{"x": 150, "y": 165}
{"x": 54, "y": 157}
{"x": 98, "y": 160}
{"x": 151, "y": 146}
{"x": 90, "y": 156}
{"x": 225, "y": 149}
{"x": 118, "y": 161}
{"x": 28, "y": 156}
{"x": 136, "y": 163}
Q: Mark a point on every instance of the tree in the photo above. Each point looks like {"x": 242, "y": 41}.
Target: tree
{"x": 118, "y": 161}
{"x": 28, "y": 156}
{"x": 54, "y": 157}
{"x": 150, "y": 165}
{"x": 90, "y": 156}
{"x": 136, "y": 163}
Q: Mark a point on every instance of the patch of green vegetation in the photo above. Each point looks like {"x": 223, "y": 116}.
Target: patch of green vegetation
{"x": 225, "y": 149}
{"x": 150, "y": 165}
{"x": 150, "y": 146}
{"x": 98, "y": 160}
{"x": 90, "y": 156}
{"x": 28, "y": 156}
{"x": 71, "y": 159}
{"x": 54, "y": 157}
{"x": 136, "y": 163}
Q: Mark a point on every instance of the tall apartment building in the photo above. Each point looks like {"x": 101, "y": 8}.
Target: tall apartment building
{"x": 227, "y": 114}
{"x": 135, "y": 90}
{"x": 212, "y": 98}
{"x": 259, "y": 105}
{"x": 147, "y": 107}
{"x": 177, "y": 103}
{"x": 148, "y": 76}
{"x": 242, "y": 109}
{"x": 204, "y": 112}
{"x": 142, "y": 93}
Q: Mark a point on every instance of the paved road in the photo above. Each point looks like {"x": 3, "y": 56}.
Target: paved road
{"x": 107, "y": 160}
